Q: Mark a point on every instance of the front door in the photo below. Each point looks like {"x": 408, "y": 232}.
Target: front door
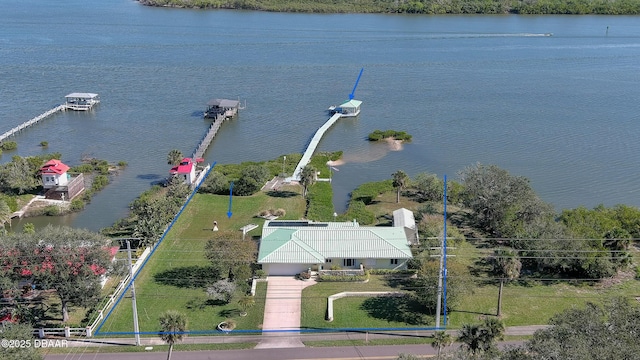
{"x": 348, "y": 263}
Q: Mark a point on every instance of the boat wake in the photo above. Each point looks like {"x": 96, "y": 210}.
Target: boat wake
{"x": 495, "y": 35}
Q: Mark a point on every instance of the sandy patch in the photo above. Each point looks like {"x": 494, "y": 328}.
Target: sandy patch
{"x": 393, "y": 144}
{"x": 373, "y": 152}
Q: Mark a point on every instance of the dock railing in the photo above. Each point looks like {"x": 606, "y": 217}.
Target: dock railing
{"x": 33, "y": 121}
{"x": 311, "y": 148}
{"x": 208, "y": 137}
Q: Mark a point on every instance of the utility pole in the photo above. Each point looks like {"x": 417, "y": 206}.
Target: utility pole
{"x": 444, "y": 251}
{"x": 136, "y": 328}
{"x": 442, "y": 273}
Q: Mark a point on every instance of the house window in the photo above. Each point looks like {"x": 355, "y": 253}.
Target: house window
{"x": 327, "y": 260}
{"x": 394, "y": 261}
{"x": 348, "y": 262}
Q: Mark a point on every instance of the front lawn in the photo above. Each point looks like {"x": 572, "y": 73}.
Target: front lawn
{"x": 175, "y": 277}
{"x": 352, "y": 312}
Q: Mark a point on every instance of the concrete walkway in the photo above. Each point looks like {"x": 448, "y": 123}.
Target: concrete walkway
{"x": 282, "y": 310}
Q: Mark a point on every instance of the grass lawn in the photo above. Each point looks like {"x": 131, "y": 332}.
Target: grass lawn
{"x": 522, "y": 305}
{"x": 347, "y": 312}
{"x": 181, "y": 257}
{"x": 385, "y": 204}
{"x": 535, "y": 305}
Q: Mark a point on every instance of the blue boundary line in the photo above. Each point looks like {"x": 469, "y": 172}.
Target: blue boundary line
{"x": 311, "y": 331}
{"x": 175, "y": 218}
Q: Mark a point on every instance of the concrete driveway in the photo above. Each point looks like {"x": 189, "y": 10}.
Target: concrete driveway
{"x": 281, "y": 324}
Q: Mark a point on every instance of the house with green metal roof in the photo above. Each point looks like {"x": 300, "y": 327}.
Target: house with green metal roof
{"x": 290, "y": 247}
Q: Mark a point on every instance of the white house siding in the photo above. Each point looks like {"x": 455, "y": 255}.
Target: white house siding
{"x": 284, "y": 269}
{"x": 386, "y": 264}
{"x": 366, "y": 263}
{"x": 53, "y": 180}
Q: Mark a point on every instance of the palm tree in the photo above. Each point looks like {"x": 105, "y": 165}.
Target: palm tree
{"x": 507, "y": 266}
{"x": 478, "y": 338}
{"x": 245, "y": 303}
{"x": 441, "y": 340}
{"x": 400, "y": 180}
{"x": 173, "y": 324}
{"x": 494, "y": 328}
{"x": 470, "y": 335}
{"x": 174, "y": 157}
{"x": 307, "y": 178}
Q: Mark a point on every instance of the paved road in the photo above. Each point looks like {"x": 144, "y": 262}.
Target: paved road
{"x": 342, "y": 353}
{"x": 320, "y": 353}
{"x": 78, "y": 350}
{"x": 307, "y": 336}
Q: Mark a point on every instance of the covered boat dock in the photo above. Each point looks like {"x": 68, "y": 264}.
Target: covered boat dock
{"x": 81, "y": 101}
{"x": 221, "y": 107}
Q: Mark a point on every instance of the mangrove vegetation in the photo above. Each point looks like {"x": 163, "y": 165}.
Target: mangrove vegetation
{"x": 429, "y": 7}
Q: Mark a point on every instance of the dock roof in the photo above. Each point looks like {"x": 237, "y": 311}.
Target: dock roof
{"x": 82, "y": 95}
{"x": 223, "y": 103}
{"x": 351, "y": 104}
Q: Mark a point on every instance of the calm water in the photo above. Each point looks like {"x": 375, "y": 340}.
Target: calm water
{"x": 561, "y": 110}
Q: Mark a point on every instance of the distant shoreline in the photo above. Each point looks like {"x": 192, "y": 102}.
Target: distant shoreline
{"x": 424, "y": 7}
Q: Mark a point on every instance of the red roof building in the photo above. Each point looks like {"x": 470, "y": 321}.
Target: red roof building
{"x": 185, "y": 170}
{"x": 54, "y": 173}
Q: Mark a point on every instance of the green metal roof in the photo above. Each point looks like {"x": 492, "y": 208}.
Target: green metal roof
{"x": 309, "y": 245}
{"x": 351, "y": 104}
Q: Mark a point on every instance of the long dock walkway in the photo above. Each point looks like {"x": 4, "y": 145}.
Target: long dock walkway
{"x": 311, "y": 148}
{"x": 208, "y": 137}
{"x": 33, "y": 121}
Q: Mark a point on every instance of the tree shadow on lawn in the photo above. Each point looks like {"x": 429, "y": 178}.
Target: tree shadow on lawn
{"x": 471, "y": 312}
{"x": 400, "y": 308}
{"x": 399, "y": 281}
{"x": 481, "y": 268}
{"x": 188, "y": 276}
{"x": 282, "y": 194}
{"x": 229, "y": 313}
{"x": 201, "y": 304}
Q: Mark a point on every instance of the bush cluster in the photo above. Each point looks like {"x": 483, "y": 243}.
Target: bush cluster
{"x": 343, "y": 277}
{"x": 378, "y": 135}
{"x": 8, "y": 145}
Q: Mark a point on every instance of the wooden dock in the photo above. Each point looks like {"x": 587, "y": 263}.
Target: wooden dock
{"x": 33, "y": 121}
{"x": 208, "y": 137}
{"x": 311, "y": 148}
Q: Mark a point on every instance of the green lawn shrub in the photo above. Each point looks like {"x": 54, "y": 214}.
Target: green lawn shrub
{"x": 320, "y": 202}
{"x": 342, "y": 277}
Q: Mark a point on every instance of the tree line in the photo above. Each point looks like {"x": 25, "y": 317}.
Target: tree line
{"x": 431, "y": 7}
{"x": 505, "y": 210}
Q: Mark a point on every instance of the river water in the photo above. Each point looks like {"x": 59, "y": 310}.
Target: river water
{"x": 561, "y": 110}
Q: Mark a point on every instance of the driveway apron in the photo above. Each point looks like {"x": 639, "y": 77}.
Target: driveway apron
{"x": 282, "y": 310}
